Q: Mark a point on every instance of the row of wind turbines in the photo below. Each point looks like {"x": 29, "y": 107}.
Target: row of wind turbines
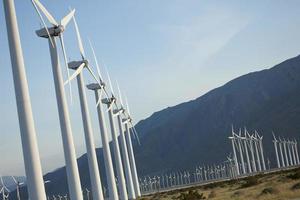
{"x": 125, "y": 173}
{"x": 247, "y": 159}
{"x": 248, "y": 153}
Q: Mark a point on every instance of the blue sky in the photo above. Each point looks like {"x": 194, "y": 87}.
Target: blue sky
{"x": 161, "y": 52}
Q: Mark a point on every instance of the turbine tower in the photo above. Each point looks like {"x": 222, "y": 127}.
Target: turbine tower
{"x": 88, "y": 132}
{"x": 64, "y": 118}
{"x": 31, "y": 157}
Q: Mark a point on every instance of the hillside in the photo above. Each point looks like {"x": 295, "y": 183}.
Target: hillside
{"x": 196, "y": 132}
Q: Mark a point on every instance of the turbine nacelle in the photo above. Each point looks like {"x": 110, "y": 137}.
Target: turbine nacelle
{"x": 53, "y": 31}
{"x": 76, "y": 64}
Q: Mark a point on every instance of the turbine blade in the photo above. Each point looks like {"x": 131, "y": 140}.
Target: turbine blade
{"x": 110, "y": 106}
{"x": 99, "y": 100}
{"x": 46, "y": 13}
{"x": 65, "y": 21}
{"x": 14, "y": 179}
{"x": 43, "y": 21}
{"x": 136, "y": 135}
{"x": 79, "y": 38}
{"x": 96, "y": 61}
{"x": 78, "y": 70}
{"x": 109, "y": 81}
{"x": 120, "y": 95}
{"x": 93, "y": 75}
{"x": 66, "y": 64}
{"x": 127, "y": 106}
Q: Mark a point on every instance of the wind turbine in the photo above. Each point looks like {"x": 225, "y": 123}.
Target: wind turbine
{"x": 293, "y": 152}
{"x": 239, "y": 141}
{"x": 4, "y": 188}
{"x": 33, "y": 169}
{"x": 68, "y": 144}
{"x": 289, "y": 152}
{"x": 246, "y": 150}
{"x": 130, "y": 149}
{"x": 88, "y": 132}
{"x": 255, "y": 140}
{"x": 124, "y": 150}
{"x": 232, "y": 138}
{"x": 18, "y": 184}
{"x": 110, "y": 175}
{"x": 261, "y": 150}
{"x": 281, "y": 153}
{"x": 118, "y": 161}
{"x": 296, "y": 150}
{"x": 275, "y": 141}
{"x": 250, "y": 139}
{"x": 285, "y": 153}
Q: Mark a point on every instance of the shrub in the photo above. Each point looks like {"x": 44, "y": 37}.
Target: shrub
{"x": 250, "y": 181}
{"x": 269, "y": 190}
{"x": 191, "y": 195}
{"x": 212, "y": 194}
{"x": 296, "y": 186}
{"x": 294, "y": 176}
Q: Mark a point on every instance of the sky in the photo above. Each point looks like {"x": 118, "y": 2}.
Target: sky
{"x": 162, "y": 53}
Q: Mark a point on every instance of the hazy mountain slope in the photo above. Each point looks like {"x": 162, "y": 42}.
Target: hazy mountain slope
{"x": 196, "y": 132}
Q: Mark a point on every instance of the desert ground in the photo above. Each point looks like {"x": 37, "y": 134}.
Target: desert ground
{"x": 282, "y": 185}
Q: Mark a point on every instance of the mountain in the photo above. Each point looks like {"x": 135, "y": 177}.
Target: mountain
{"x": 196, "y": 132}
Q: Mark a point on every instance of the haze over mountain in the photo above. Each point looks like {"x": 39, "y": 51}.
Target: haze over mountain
{"x": 196, "y": 132}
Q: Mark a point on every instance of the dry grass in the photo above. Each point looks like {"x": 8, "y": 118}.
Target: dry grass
{"x": 284, "y": 185}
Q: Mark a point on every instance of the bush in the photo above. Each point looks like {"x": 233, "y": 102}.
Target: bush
{"x": 269, "y": 190}
{"x": 191, "y": 195}
{"x": 212, "y": 194}
{"x": 296, "y": 186}
{"x": 294, "y": 176}
{"x": 250, "y": 181}
{"x": 237, "y": 193}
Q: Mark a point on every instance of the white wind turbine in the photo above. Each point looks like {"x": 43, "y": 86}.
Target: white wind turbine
{"x": 130, "y": 148}
{"x": 293, "y": 151}
{"x": 117, "y": 154}
{"x": 285, "y": 153}
{"x": 289, "y": 151}
{"x": 246, "y": 150}
{"x": 250, "y": 139}
{"x": 281, "y": 153}
{"x": 239, "y": 140}
{"x": 255, "y": 140}
{"x": 18, "y": 184}
{"x": 124, "y": 149}
{"x": 110, "y": 175}
{"x": 232, "y": 138}
{"x": 68, "y": 144}
{"x": 260, "y": 138}
{"x": 33, "y": 169}
{"x": 97, "y": 192}
{"x": 296, "y": 150}
{"x": 4, "y": 189}
{"x": 275, "y": 141}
